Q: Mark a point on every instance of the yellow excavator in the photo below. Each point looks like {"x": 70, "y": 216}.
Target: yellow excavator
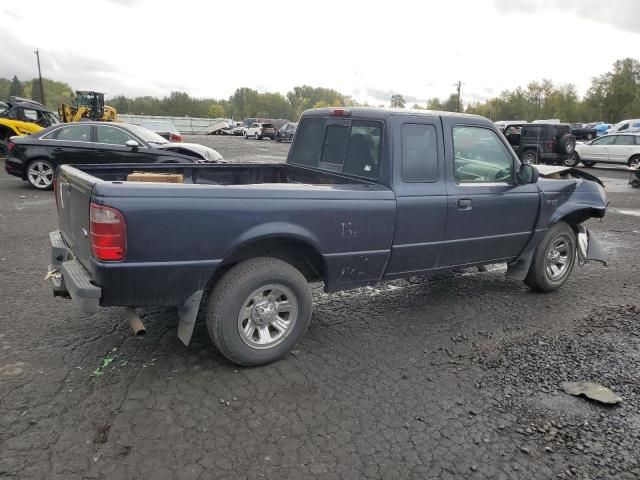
{"x": 87, "y": 106}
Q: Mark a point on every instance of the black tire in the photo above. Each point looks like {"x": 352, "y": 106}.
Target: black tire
{"x": 634, "y": 162}
{"x": 588, "y": 163}
{"x": 567, "y": 144}
{"x": 246, "y": 137}
{"x": 43, "y": 165}
{"x": 257, "y": 137}
{"x": 572, "y": 160}
{"x": 4, "y": 150}
{"x": 530, "y": 157}
{"x": 230, "y": 295}
{"x": 539, "y": 277}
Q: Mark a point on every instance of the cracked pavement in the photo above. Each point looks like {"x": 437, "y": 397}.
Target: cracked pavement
{"x": 452, "y": 376}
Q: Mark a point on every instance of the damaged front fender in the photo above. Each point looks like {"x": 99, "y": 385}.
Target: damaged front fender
{"x": 589, "y": 248}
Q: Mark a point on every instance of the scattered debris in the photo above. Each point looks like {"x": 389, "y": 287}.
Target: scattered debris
{"x": 591, "y": 390}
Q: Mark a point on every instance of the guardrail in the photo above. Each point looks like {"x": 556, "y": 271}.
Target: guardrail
{"x": 186, "y": 125}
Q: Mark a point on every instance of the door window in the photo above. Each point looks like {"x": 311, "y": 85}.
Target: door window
{"x": 30, "y": 115}
{"x": 113, "y": 136}
{"x": 72, "y": 133}
{"x": 624, "y": 140}
{"x": 623, "y": 127}
{"x": 419, "y": 153}
{"x": 480, "y": 156}
{"x": 608, "y": 140}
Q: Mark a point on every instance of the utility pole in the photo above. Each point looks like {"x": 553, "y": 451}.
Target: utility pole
{"x": 458, "y": 84}
{"x": 40, "y": 77}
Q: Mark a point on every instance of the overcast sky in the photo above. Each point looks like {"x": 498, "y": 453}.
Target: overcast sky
{"x": 368, "y": 49}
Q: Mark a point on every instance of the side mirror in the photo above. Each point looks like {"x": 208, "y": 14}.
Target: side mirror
{"x": 132, "y": 144}
{"x": 527, "y": 174}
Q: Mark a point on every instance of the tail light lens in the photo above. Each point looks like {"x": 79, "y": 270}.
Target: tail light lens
{"x": 108, "y": 232}
{"x": 340, "y": 112}
{"x": 175, "y": 137}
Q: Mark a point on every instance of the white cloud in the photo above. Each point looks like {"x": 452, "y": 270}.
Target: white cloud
{"x": 418, "y": 49}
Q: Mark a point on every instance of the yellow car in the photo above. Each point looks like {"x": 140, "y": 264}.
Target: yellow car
{"x": 22, "y": 117}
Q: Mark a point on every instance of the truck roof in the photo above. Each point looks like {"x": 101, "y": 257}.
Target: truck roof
{"x": 384, "y": 113}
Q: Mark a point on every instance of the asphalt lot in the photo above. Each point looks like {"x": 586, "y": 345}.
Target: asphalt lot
{"x": 454, "y": 376}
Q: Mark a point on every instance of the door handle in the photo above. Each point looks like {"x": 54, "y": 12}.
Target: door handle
{"x": 464, "y": 204}
{"x": 57, "y": 150}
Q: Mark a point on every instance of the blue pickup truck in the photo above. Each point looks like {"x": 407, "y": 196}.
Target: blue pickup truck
{"x": 366, "y": 195}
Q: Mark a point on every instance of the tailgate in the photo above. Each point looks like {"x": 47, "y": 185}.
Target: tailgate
{"x": 73, "y": 196}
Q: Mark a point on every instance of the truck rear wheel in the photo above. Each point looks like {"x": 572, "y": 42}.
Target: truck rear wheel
{"x": 553, "y": 259}
{"x": 258, "y": 311}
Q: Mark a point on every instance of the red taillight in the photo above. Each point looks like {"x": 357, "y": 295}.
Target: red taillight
{"x": 340, "y": 112}
{"x": 175, "y": 137}
{"x": 10, "y": 145}
{"x": 108, "y": 231}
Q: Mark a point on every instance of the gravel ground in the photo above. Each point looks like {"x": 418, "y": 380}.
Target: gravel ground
{"x": 452, "y": 376}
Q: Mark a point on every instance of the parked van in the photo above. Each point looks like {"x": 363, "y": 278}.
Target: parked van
{"x": 633, "y": 124}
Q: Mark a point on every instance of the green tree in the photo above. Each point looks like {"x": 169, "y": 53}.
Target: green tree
{"x": 216, "y": 111}
{"x": 16, "y": 89}
{"x": 397, "y": 101}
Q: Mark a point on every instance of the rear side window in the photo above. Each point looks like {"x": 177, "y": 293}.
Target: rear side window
{"x": 73, "y": 133}
{"x": 419, "y": 153}
{"x": 531, "y": 132}
{"x": 352, "y": 149}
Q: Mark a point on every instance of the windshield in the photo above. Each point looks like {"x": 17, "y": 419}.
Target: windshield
{"x": 160, "y": 126}
{"x": 147, "y": 135}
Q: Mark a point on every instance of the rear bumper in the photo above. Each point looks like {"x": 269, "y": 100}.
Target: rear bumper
{"x": 69, "y": 278}
{"x": 124, "y": 284}
{"x": 13, "y": 168}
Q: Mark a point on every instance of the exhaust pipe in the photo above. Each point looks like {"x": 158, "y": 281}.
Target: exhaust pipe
{"x": 134, "y": 322}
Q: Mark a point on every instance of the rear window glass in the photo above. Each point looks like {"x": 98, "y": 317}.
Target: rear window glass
{"x": 419, "y": 153}
{"x": 267, "y": 125}
{"x": 561, "y": 130}
{"x": 348, "y": 148}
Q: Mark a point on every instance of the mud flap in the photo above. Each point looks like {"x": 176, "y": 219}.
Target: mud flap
{"x": 187, "y": 314}
{"x": 589, "y": 247}
{"x": 518, "y": 270}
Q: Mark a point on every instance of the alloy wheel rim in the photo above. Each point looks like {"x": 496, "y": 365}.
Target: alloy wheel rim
{"x": 40, "y": 174}
{"x": 558, "y": 258}
{"x": 267, "y": 316}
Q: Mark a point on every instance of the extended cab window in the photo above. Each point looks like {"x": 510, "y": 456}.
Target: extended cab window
{"x": 419, "y": 153}
{"x": 480, "y": 156}
{"x": 352, "y": 147}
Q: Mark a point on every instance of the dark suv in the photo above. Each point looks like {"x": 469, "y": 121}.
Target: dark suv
{"x": 541, "y": 142}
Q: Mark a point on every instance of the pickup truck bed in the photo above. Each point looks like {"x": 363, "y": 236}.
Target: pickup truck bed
{"x": 366, "y": 195}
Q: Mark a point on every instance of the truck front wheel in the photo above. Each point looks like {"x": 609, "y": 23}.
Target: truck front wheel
{"x": 553, "y": 259}
{"x": 258, "y": 311}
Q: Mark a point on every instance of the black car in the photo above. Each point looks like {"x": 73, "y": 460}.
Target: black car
{"x": 286, "y": 132}
{"x": 541, "y": 142}
{"x": 35, "y": 157}
{"x": 581, "y": 132}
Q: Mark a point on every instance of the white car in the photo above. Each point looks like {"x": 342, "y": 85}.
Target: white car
{"x": 259, "y": 131}
{"x": 621, "y": 148}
